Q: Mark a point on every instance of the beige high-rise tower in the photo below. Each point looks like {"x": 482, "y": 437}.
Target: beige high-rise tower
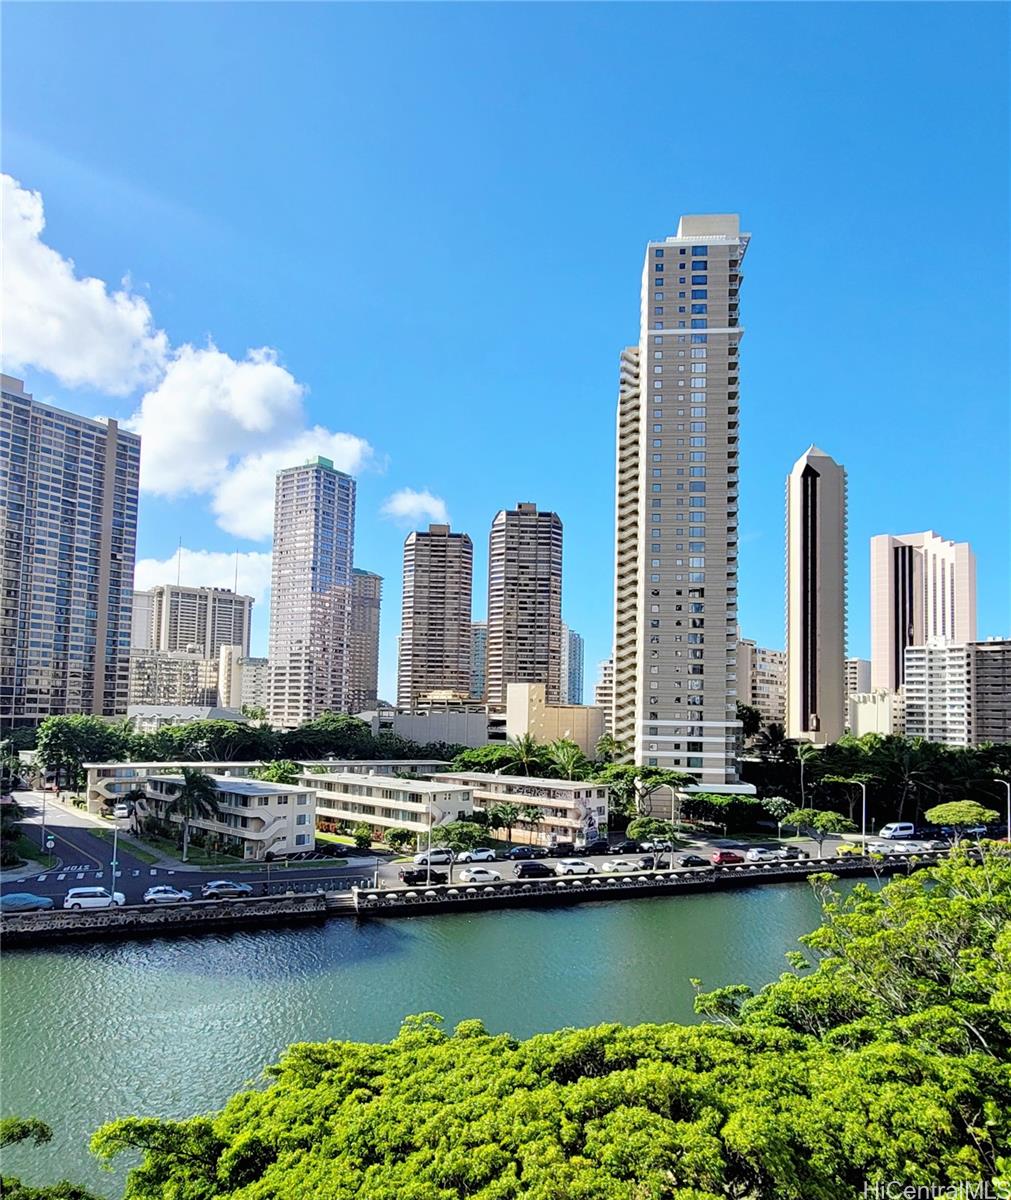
{"x": 922, "y": 586}
{"x": 676, "y": 507}
{"x": 815, "y": 598}
{"x": 68, "y": 532}
{"x": 366, "y": 602}
{"x": 435, "y": 632}
{"x": 524, "y": 602}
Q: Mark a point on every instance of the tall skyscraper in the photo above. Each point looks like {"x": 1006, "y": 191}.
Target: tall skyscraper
{"x": 179, "y": 617}
{"x": 815, "y": 598}
{"x": 68, "y": 527}
{"x": 676, "y": 506}
{"x": 478, "y": 658}
{"x": 310, "y": 603}
{"x": 922, "y": 586}
{"x": 435, "y": 633}
{"x": 525, "y": 602}
{"x": 366, "y": 600}
{"x": 242, "y": 681}
{"x": 572, "y": 666}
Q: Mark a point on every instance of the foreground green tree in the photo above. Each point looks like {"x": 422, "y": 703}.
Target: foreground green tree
{"x": 565, "y": 760}
{"x": 281, "y": 770}
{"x": 883, "y": 1055}
{"x": 632, "y": 786}
{"x": 399, "y": 839}
{"x": 14, "y": 1130}
{"x": 362, "y": 835}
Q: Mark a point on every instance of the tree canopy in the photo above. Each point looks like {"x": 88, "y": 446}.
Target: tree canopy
{"x": 881, "y": 1055}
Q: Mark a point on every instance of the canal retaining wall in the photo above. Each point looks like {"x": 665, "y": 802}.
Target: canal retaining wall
{"x": 131, "y": 921}
{"x": 577, "y": 889}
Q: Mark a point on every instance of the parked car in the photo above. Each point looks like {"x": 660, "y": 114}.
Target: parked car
{"x": 907, "y": 848}
{"x": 897, "y": 830}
{"x": 785, "y": 853}
{"x": 414, "y": 876}
{"x": 517, "y": 853}
{"x": 657, "y": 847}
{"x": 626, "y": 847}
{"x": 441, "y": 855}
{"x": 619, "y": 866}
{"x": 164, "y": 894}
{"x": 479, "y": 875}
{"x": 598, "y": 846}
{"x": 880, "y": 848}
{"x": 561, "y": 850}
{"x": 532, "y": 870}
{"x": 478, "y": 854}
{"x": 575, "y": 866}
{"x": 758, "y": 854}
{"x": 24, "y": 902}
{"x": 845, "y": 849}
{"x": 121, "y": 810}
{"x": 691, "y": 860}
{"x": 93, "y": 897}
{"x": 223, "y": 889}
{"x": 721, "y": 858}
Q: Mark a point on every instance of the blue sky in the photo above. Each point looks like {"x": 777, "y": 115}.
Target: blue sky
{"x": 435, "y": 217}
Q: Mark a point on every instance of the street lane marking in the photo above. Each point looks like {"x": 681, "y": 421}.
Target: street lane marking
{"x": 61, "y": 877}
{"x": 80, "y": 874}
{"x": 41, "y": 878}
{"x": 135, "y": 873}
{"x": 152, "y": 871}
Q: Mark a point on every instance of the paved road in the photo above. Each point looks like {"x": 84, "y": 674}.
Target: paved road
{"x": 85, "y": 860}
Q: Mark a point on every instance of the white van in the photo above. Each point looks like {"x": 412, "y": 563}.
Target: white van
{"x": 897, "y": 830}
{"x": 93, "y": 897}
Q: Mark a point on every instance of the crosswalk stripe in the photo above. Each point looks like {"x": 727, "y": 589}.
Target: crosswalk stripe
{"x": 152, "y": 871}
{"x": 41, "y": 878}
{"x": 135, "y": 873}
{"x": 80, "y": 875}
{"x": 61, "y": 877}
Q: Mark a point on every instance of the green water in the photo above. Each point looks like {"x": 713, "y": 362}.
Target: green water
{"x": 173, "y": 1027}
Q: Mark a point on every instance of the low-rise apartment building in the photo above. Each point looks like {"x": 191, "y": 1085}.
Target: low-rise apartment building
{"x": 385, "y": 802}
{"x": 571, "y": 810}
{"x": 254, "y": 818}
{"x": 108, "y": 782}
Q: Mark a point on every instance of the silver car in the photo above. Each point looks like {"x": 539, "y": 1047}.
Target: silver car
{"x": 163, "y": 894}
{"x": 575, "y": 866}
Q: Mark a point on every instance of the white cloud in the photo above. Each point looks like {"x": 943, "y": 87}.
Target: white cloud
{"x": 72, "y": 327}
{"x": 208, "y": 568}
{"x": 207, "y": 410}
{"x": 210, "y": 424}
{"x": 244, "y": 500}
{"x": 411, "y": 507}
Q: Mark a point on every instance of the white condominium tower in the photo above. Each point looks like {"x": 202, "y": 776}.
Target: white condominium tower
{"x": 310, "y": 601}
{"x": 676, "y": 507}
{"x": 922, "y": 586}
{"x": 68, "y": 531}
{"x": 176, "y": 617}
{"x": 815, "y": 598}
{"x": 524, "y": 602}
{"x": 435, "y": 631}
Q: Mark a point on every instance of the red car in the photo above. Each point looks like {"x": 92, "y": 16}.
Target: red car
{"x": 722, "y": 857}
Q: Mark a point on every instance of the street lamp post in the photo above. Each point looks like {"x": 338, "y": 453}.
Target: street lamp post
{"x": 115, "y": 862}
{"x": 1007, "y": 785}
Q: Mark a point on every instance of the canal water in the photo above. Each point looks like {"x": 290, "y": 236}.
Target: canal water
{"x": 174, "y": 1026}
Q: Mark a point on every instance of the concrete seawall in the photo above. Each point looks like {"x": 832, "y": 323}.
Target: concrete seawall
{"x": 138, "y": 921}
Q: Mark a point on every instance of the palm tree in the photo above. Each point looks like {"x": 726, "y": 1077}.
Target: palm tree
{"x": 771, "y": 741}
{"x": 505, "y": 816}
{"x": 609, "y": 748}
{"x": 531, "y": 814}
{"x": 806, "y": 752}
{"x": 567, "y": 760}
{"x": 525, "y": 753}
{"x": 197, "y": 797}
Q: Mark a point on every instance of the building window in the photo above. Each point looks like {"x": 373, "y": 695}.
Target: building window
{"x": 699, "y": 323}
{"x": 700, "y": 308}
{"x": 700, "y": 294}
